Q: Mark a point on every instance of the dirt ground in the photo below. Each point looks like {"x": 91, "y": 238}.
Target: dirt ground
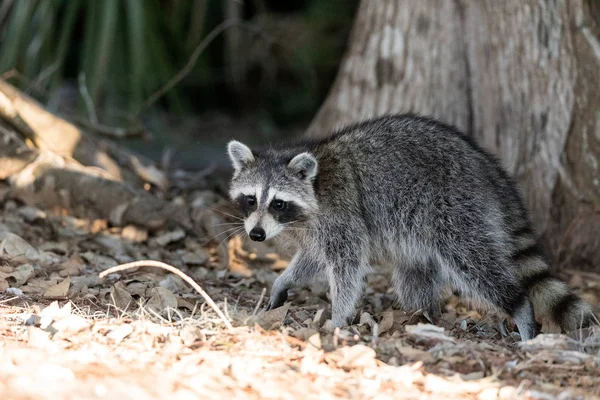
{"x": 146, "y": 334}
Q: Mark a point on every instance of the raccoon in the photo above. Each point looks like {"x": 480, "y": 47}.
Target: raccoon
{"x": 409, "y": 193}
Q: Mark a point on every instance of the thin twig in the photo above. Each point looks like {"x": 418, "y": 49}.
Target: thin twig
{"x": 172, "y": 269}
{"x": 192, "y": 61}
{"x": 262, "y": 295}
{"x": 112, "y": 131}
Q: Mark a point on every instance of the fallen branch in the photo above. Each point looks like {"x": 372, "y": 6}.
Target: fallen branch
{"x": 172, "y": 269}
{"x": 53, "y": 164}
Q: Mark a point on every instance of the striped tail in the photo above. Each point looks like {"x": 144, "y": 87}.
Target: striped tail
{"x": 552, "y": 299}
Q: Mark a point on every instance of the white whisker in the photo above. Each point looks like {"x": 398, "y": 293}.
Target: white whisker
{"x": 230, "y": 235}
{"x": 228, "y": 223}
{"x": 224, "y": 213}
{"x": 221, "y": 233}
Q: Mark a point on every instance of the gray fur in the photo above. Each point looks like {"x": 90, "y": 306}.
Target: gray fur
{"x": 412, "y": 194}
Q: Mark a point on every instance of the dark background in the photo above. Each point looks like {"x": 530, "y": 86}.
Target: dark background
{"x": 260, "y": 79}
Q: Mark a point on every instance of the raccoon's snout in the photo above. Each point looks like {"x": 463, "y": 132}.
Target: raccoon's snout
{"x": 258, "y": 234}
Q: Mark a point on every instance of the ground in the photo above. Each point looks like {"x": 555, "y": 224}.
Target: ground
{"x": 146, "y": 334}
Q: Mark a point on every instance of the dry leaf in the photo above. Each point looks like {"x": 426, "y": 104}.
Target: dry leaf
{"x": 37, "y": 337}
{"x": 20, "y": 275}
{"x": 191, "y": 334}
{"x": 273, "y": 318}
{"x": 15, "y": 249}
{"x": 3, "y": 285}
{"x": 304, "y": 333}
{"x": 120, "y": 332}
{"x": 174, "y": 284}
{"x": 412, "y": 354}
{"x": 55, "y": 247}
{"x": 150, "y": 173}
{"x": 351, "y": 357}
{"x": 236, "y": 265}
{"x": 99, "y": 260}
{"x": 473, "y": 375}
{"x": 387, "y": 321}
{"x": 546, "y": 341}
{"x": 70, "y": 325}
{"x": 120, "y": 296}
{"x": 183, "y": 303}
{"x": 72, "y": 267}
{"x": 134, "y": 234}
{"x": 313, "y": 343}
{"x": 79, "y": 282}
{"x": 137, "y": 288}
{"x": 321, "y": 316}
{"x": 58, "y": 291}
{"x": 428, "y": 331}
{"x": 367, "y": 319}
{"x": 161, "y": 300}
{"x": 38, "y": 285}
{"x": 54, "y": 312}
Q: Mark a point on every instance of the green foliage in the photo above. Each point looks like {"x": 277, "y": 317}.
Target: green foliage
{"x": 119, "y": 52}
{"x": 123, "y": 49}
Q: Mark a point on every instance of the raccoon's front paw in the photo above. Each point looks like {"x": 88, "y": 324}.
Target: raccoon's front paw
{"x": 277, "y": 299}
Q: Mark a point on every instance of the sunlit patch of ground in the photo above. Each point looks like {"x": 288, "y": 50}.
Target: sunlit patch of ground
{"x": 145, "y": 334}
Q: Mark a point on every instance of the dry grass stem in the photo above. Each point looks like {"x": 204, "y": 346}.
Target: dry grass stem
{"x": 172, "y": 269}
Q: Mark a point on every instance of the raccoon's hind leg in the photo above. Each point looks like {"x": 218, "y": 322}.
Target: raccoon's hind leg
{"x": 418, "y": 287}
{"x": 301, "y": 271}
{"x": 505, "y": 294}
{"x": 483, "y": 272}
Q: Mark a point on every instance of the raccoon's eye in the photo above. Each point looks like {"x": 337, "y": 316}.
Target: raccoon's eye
{"x": 278, "y": 205}
{"x": 250, "y": 200}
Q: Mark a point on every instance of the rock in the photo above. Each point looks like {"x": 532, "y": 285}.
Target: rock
{"x": 168, "y": 237}
{"x": 32, "y": 214}
{"x": 197, "y": 257}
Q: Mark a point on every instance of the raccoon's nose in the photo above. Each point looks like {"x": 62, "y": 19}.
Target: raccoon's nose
{"x": 258, "y": 234}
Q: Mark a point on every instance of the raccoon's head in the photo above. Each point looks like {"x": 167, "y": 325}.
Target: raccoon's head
{"x": 273, "y": 189}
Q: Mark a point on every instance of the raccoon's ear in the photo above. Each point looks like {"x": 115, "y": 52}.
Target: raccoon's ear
{"x": 304, "y": 164}
{"x": 240, "y": 154}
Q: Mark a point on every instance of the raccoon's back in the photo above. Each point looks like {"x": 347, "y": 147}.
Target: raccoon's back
{"x": 406, "y": 161}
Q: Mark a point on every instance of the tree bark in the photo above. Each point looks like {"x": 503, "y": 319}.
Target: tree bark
{"x": 403, "y": 56}
{"x": 520, "y": 76}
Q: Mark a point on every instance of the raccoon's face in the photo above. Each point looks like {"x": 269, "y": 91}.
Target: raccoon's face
{"x": 274, "y": 190}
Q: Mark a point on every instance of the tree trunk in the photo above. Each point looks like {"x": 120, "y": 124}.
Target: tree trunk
{"x": 520, "y": 76}
{"x": 403, "y": 56}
